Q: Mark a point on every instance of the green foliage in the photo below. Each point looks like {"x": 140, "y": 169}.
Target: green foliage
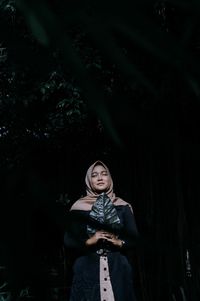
{"x": 72, "y": 72}
{"x": 61, "y": 63}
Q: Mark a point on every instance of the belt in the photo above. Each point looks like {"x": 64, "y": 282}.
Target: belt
{"x": 102, "y": 251}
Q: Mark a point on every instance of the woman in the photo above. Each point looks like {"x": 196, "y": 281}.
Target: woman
{"x": 103, "y": 229}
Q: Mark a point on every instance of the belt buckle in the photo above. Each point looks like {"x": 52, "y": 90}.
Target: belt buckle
{"x": 101, "y": 252}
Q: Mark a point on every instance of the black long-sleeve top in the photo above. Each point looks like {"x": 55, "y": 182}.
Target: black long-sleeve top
{"x": 76, "y": 234}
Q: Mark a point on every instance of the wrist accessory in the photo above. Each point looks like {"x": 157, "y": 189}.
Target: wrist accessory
{"x": 123, "y": 243}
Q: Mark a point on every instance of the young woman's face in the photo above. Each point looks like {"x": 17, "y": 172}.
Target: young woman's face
{"x": 100, "y": 179}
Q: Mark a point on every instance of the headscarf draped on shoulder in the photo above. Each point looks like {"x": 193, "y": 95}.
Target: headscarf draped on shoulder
{"x": 86, "y": 202}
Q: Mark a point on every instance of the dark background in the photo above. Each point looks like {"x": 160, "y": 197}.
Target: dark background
{"x": 114, "y": 81}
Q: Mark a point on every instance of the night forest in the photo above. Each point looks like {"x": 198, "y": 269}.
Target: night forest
{"x": 117, "y": 81}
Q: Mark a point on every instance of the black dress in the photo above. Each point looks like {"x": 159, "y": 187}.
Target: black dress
{"x": 91, "y": 265}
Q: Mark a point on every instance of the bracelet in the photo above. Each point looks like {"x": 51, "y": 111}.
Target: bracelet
{"x": 123, "y": 243}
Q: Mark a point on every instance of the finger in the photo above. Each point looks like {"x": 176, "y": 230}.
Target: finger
{"x": 109, "y": 239}
{"x": 103, "y": 237}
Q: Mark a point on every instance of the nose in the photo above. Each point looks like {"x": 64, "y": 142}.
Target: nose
{"x": 99, "y": 176}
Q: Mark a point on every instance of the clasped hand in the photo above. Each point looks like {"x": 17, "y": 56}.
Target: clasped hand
{"x": 104, "y": 235}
